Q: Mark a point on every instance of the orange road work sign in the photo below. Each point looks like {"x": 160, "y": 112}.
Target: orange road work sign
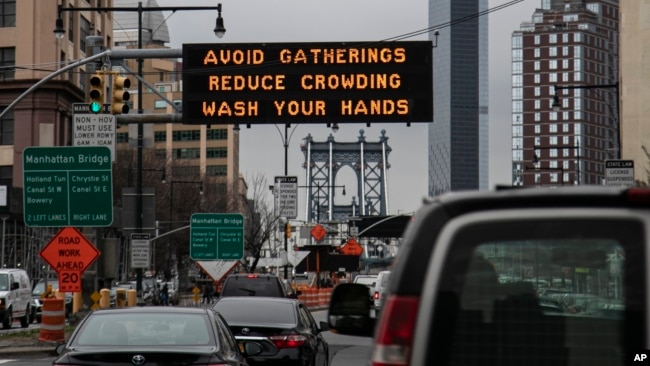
{"x": 69, "y": 251}
{"x": 352, "y": 247}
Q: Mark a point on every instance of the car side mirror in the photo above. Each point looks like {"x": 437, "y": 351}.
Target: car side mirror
{"x": 349, "y": 311}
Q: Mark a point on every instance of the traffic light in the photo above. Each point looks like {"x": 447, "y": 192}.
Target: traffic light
{"x": 96, "y": 93}
{"x": 120, "y": 95}
{"x": 287, "y": 230}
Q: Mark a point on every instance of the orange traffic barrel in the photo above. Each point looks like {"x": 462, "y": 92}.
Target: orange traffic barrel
{"x": 52, "y": 321}
{"x": 312, "y": 297}
{"x": 322, "y": 297}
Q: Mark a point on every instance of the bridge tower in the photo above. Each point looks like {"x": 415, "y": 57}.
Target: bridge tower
{"x": 324, "y": 160}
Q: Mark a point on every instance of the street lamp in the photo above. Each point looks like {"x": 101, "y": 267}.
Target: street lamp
{"x": 2, "y": 256}
{"x": 577, "y": 156}
{"x": 219, "y": 31}
{"x": 556, "y": 105}
{"x": 561, "y": 169}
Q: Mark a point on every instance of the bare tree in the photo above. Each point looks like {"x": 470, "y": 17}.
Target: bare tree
{"x": 260, "y": 220}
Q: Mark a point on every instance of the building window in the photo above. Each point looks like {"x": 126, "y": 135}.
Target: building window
{"x": 577, "y": 37}
{"x": 217, "y": 134}
{"x": 517, "y": 55}
{"x": 84, "y": 31}
{"x": 517, "y": 67}
{"x": 7, "y": 13}
{"x": 186, "y": 135}
{"x": 159, "y": 104}
{"x": 565, "y": 51}
{"x": 536, "y": 39}
{"x": 536, "y": 52}
{"x": 70, "y": 26}
{"x": 552, "y": 51}
{"x": 517, "y": 41}
{"x": 565, "y": 38}
{"x": 538, "y": 129}
{"x": 160, "y": 136}
{"x": 565, "y": 127}
{"x": 577, "y": 76}
{"x": 7, "y": 63}
{"x": 537, "y": 78}
{"x": 537, "y": 91}
{"x": 216, "y": 170}
{"x": 122, "y": 137}
{"x": 160, "y": 153}
{"x": 193, "y": 153}
{"x": 7, "y": 129}
{"x": 538, "y": 117}
{"x": 553, "y": 117}
{"x": 517, "y": 106}
{"x": 552, "y": 38}
{"x": 552, "y": 77}
{"x": 536, "y": 65}
{"x": 216, "y": 152}
{"x": 565, "y": 76}
{"x": 517, "y": 93}
{"x": 537, "y": 104}
{"x": 552, "y": 64}
{"x": 552, "y": 128}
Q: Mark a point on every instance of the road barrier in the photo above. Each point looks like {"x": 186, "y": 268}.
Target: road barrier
{"x": 52, "y": 321}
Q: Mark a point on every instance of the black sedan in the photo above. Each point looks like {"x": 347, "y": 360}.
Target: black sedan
{"x": 284, "y": 327}
{"x": 154, "y": 336}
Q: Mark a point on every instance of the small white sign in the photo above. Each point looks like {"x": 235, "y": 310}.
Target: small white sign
{"x": 286, "y": 197}
{"x": 140, "y": 251}
{"x": 94, "y": 130}
{"x": 619, "y": 173}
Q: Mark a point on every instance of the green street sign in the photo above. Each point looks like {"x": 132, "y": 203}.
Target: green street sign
{"x": 68, "y": 186}
{"x": 216, "y": 236}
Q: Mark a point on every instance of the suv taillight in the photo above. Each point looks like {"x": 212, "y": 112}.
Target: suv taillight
{"x": 394, "y": 338}
{"x": 376, "y": 295}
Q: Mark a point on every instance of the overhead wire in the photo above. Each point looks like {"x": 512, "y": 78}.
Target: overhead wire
{"x": 45, "y": 66}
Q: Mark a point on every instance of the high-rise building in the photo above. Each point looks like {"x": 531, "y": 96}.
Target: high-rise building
{"x": 565, "y": 93}
{"x": 458, "y": 136}
{"x": 635, "y": 86}
{"x": 28, "y": 54}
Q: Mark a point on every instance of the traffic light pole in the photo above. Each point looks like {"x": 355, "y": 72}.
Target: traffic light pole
{"x": 113, "y": 54}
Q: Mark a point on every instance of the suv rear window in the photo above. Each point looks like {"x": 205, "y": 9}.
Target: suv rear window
{"x": 252, "y": 285}
{"x": 554, "y": 290}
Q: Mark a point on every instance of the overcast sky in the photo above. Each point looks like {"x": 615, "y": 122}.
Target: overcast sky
{"x": 261, "y": 147}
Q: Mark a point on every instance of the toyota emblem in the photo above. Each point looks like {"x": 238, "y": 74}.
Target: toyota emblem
{"x": 245, "y": 331}
{"x": 138, "y": 360}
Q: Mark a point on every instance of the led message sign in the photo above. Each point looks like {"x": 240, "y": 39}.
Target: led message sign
{"x": 307, "y": 83}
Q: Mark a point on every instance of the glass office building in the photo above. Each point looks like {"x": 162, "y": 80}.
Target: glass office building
{"x": 458, "y": 136}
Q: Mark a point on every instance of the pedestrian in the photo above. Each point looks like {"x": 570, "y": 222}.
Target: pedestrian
{"x": 207, "y": 293}
{"x": 164, "y": 295}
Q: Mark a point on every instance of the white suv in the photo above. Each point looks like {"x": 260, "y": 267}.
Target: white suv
{"x": 381, "y": 286}
{"x": 15, "y": 297}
